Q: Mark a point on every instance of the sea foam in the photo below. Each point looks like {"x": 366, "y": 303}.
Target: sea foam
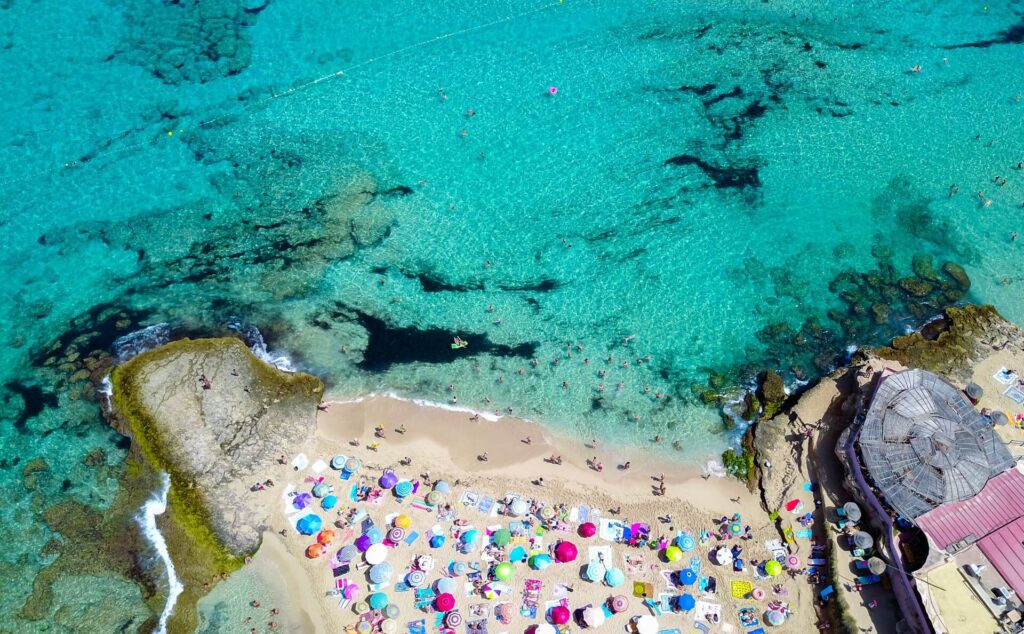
{"x": 154, "y": 506}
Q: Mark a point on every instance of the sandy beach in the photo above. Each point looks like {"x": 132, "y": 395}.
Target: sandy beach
{"x": 447, "y": 445}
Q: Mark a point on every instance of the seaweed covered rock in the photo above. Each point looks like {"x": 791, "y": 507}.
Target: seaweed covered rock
{"x": 213, "y": 416}
{"x": 915, "y": 287}
{"x": 772, "y": 393}
{"x": 957, "y": 272}
{"x": 951, "y": 345}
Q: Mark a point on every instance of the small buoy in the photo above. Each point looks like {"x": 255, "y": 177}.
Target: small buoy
{"x": 170, "y": 133}
{"x": 553, "y": 90}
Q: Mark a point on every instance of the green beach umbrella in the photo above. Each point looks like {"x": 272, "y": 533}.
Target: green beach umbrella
{"x": 772, "y": 568}
{"x": 501, "y": 537}
{"x": 503, "y": 571}
{"x": 377, "y": 601}
{"x": 673, "y": 553}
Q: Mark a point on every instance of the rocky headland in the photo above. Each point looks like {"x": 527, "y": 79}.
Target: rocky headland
{"x": 212, "y": 415}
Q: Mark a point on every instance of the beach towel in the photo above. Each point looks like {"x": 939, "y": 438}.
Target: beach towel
{"x": 695, "y": 564}
{"x": 700, "y": 627}
{"x": 411, "y": 538}
{"x": 1004, "y": 376}
{"x": 597, "y": 554}
{"x": 703, "y": 610}
{"x": 665, "y": 600}
{"x": 610, "y": 530}
{"x": 1014, "y": 395}
{"x": 418, "y": 626}
{"x": 805, "y": 534}
{"x": 300, "y": 462}
{"x": 740, "y": 589}
{"x": 318, "y": 466}
{"x": 667, "y": 576}
{"x": 469, "y": 498}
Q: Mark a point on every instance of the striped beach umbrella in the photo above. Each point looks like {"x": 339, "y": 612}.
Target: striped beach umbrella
{"x": 361, "y": 607}
{"x": 686, "y": 543}
{"x": 391, "y": 611}
{"x": 348, "y": 553}
{"x": 338, "y": 462}
{"x": 389, "y": 626}
{"x": 619, "y": 603}
{"x": 377, "y": 600}
{"x": 614, "y": 577}
{"x": 352, "y": 465}
{"x": 396, "y": 535}
{"x": 380, "y": 573}
{"x": 363, "y": 627}
{"x": 434, "y": 498}
{"x": 403, "y": 488}
{"x": 547, "y": 513}
{"x": 459, "y": 568}
{"x": 453, "y": 619}
{"x": 416, "y": 578}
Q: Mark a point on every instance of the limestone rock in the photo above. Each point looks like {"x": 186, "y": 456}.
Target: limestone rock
{"x": 958, "y": 274}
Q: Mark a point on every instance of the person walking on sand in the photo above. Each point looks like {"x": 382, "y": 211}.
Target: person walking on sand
{"x": 527, "y": 440}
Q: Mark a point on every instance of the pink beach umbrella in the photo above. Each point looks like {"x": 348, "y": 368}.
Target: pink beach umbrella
{"x": 560, "y": 615}
{"x": 565, "y": 552}
{"x": 587, "y": 529}
{"x": 793, "y": 562}
{"x": 444, "y": 602}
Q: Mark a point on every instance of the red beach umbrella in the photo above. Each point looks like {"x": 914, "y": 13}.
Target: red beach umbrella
{"x": 444, "y": 602}
{"x": 565, "y": 552}
{"x": 560, "y": 615}
{"x": 587, "y": 529}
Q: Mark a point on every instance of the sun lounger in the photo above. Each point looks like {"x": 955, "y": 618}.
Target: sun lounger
{"x": 1014, "y": 394}
{"x": 1004, "y": 376}
{"x": 485, "y": 505}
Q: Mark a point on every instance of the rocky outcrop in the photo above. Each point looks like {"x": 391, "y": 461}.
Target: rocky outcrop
{"x": 212, "y": 415}
{"x": 950, "y": 345}
{"x": 772, "y": 393}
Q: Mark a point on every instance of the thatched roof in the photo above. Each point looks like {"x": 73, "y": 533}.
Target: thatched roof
{"x": 925, "y": 445}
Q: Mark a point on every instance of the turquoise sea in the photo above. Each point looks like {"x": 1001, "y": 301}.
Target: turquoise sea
{"x": 714, "y": 188}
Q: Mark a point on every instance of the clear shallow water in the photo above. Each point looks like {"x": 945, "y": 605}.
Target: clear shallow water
{"x": 353, "y": 212}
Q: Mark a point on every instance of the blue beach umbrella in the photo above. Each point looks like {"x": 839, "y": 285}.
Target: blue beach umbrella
{"x": 517, "y": 555}
{"x": 403, "y": 488}
{"x": 437, "y": 541}
{"x": 442, "y": 487}
{"x": 377, "y": 601}
{"x": 380, "y": 573}
{"x": 446, "y": 585}
{"x": 348, "y": 553}
{"x": 686, "y": 602}
{"x": 687, "y": 576}
{"x": 321, "y": 490}
{"x": 459, "y": 568}
{"x": 593, "y": 571}
{"x": 309, "y": 524}
{"x": 685, "y": 543}
{"x": 375, "y": 535}
{"x": 471, "y": 536}
{"x": 614, "y": 577}
{"x": 540, "y": 561}
{"x": 329, "y": 502}
{"x": 338, "y": 462}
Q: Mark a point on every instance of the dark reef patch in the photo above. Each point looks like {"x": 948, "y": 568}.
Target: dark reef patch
{"x": 1012, "y": 35}
{"x": 722, "y": 177}
{"x": 543, "y": 286}
{"x": 389, "y": 345}
{"x": 36, "y": 399}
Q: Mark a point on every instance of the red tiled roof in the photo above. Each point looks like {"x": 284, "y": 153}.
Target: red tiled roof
{"x": 999, "y": 503}
{"x": 1005, "y": 550}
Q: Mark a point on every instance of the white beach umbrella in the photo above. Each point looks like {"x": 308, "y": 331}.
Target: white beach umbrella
{"x": 723, "y": 556}
{"x": 647, "y": 624}
{"x": 519, "y": 506}
{"x": 376, "y": 554}
{"x": 593, "y": 616}
{"x": 544, "y": 628}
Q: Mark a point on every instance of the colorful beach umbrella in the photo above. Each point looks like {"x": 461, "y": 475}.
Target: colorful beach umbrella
{"x": 434, "y": 498}
{"x": 442, "y": 487}
{"x": 453, "y": 619}
{"x": 792, "y": 562}
{"x": 388, "y": 480}
{"x": 444, "y": 601}
{"x": 503, "y": 571}
{"x": 446, "y": 585}
{"x": 736, "y": 528}
{"x": 325, "y": 536}
{"x": 618, "y": 603}
{"x": 519, "y": 507}
{"x": 364, "y": 627}
{"x": 587, "y": 529}
{"x": 360, "y": 607}
{"x": 380, "y": 573}
{"x": 416, "y": 578}
{"x": 775, "y": 617}
{"x": 686, "y": 543}
{"x": 403, "y": 521}
{"x": 673, "y": 553}
{"x": 348, "y": 553}
{"x": 686, "y": 602}
{"x": 614, "y": 577}
{"x": 389, "y": 626}
{"x": 566, "y": 552}
{"x": 309, "y": 524}
{"x": 470, "y": 537}
{"x": 320, "y": 490}
{"x": 375, "y": 534}
{"x": 772, "y": 568}
{"x": 403, "y": 488}
{"x": 593, "y": 616}
{"x": 437, "y": 541}
{"x": 351, "y": 591}
{"x": 396, "y": 535}
{"x": 459, "y": 568}
{"x": 338, "y": 462}
{"x": 547, "y": 513}
{"x": 377, "y": 600}
{"x": 314, "y": 550}
{"x": 376, "y": 554}
{"x": 560, "y": 615}
{"x": 687, "y": 576}
{"x": 501, "y": 537}
{"x": 363, "y": 543}
{"x": 540, "y": 561}
{"x": 302, "y": 500}
{"x": 329, "y": 502}
{"x": 352, "y": 465}
{"x": 517, "y": 555}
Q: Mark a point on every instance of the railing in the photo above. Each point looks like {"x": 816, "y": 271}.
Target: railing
{"x": 906, "y": 597}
